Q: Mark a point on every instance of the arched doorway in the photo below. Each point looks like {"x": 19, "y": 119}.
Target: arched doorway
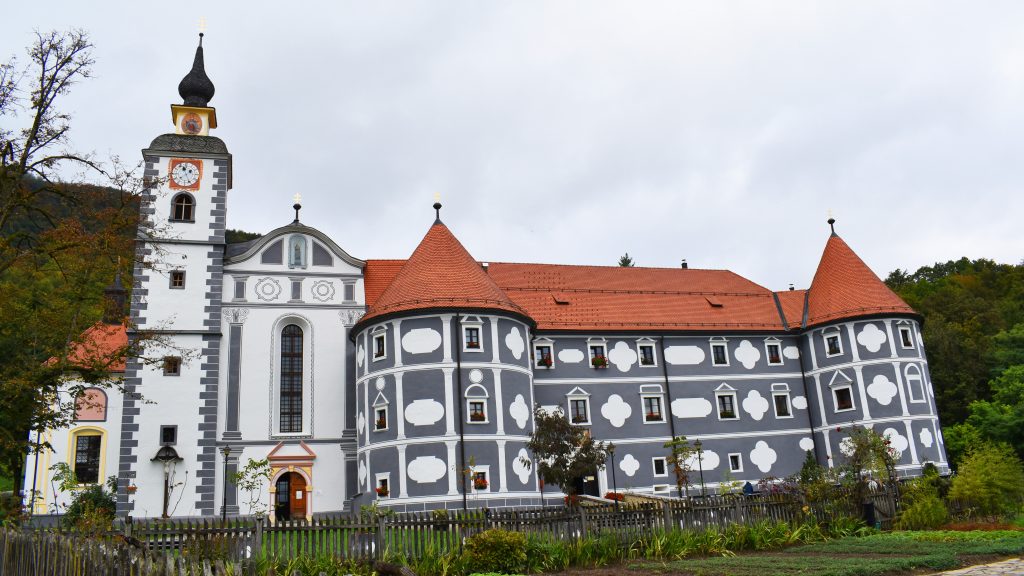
{"x": 290, "y": 497}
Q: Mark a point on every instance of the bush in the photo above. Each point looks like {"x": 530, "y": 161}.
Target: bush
{"x": 496, "y": 550}
{"x": 991, "y": 478}
{"x": 91, "y": 511}
{"x": 923, "y": 509}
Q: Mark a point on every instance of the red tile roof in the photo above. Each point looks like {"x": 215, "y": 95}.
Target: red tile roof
{"x": 845, "y": 287}
{"x": 617, "y": 298}
{"x": 439, "y": 274}
{"x": 101, "y": 344}
{"x": 613, "y": 298}
{"x": 792, "y": 302}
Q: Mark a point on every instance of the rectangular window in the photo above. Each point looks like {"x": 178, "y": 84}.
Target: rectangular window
{"x": 774, "y": 353}
{"x": 349, "y": 292}
{"x": 168, "y": 434}
{"x": 240, "y": 288}
{"x": 833, "y": 346}
{"x": 296, "y": 289}
{"x": 383, "y": 490}
{"x": 646, "y": 354}
{"x": 719, "y": 354}
{"x": 652, "y": 409}
{"x": 727, "y": 407}
{"x": 781, "y": 402}
{"x": 660, "y": 466}
{"x": 480, "y": 482}
{"x": 378, "y": 347}
{"x": 477, "y": 411}
{"x": 579, "y": 412}
{"x": 291, "y": 379}
{"x": 177, "y": 279}
{"x": 843, "y": 398}
{"x": 735, "y": 462}
{"x": 598, "y": 357}
{"x": 543, "y": 356}
{"x": 906, "y": 338}
{"x": 381, "y": 422}
{"x": 87, "y": 458}
{"x": 172, "y": 366}
{"x": 472, "y": 338}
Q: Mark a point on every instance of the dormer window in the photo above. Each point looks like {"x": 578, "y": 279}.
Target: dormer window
{"x": 297, "y": 252}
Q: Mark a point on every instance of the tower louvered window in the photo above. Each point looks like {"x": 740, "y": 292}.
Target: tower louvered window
{"x": 291, "y": 379}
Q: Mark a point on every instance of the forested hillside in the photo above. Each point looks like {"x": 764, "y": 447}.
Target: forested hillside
{"x": 974, "y": 337}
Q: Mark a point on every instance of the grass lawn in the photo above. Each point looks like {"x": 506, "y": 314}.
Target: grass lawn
{"x": 880, "y": 554}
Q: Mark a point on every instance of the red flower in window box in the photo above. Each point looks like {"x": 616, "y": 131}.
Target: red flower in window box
{"x": 472, "y": 345}
{"x": 599, "y": 362}
{"x": 544, "y": 361}
{"x": 616, "y": 496}
{"x": 480, "y": 483}
{"x": 381, "y": 490}
{"x": 131, "y": 488}
{"x": 477, "y": 417}
{"x": 382, "y": 423}
{"x": 652, "y": 417}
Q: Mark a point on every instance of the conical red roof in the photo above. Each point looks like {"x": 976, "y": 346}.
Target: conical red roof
{"x": 440, "y": 274}
{"x": 845, "y": 287}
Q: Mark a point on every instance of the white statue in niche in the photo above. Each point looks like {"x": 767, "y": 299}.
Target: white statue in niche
{"x": 297, "y": 252}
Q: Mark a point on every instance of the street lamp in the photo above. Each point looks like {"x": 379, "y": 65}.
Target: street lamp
{"x": 226, "y": 451}
{"x": 700, "y": 464}
{"x": 615, "y": 486}
{"x": 166, "y": 455}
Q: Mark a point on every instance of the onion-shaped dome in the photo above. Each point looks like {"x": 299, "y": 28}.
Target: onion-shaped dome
{"x": 196, "y": 88}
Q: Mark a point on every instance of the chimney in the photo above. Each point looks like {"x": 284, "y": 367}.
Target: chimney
{"x": 791, "y": 287}
{"x": 484, "y": 265}
{"x": 684, "y": 265}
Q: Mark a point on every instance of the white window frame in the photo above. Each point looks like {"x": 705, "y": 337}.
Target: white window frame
{"x": 486, "y": 470}
{"x": 719, "y": 341}
{"x": 829, "y": 333}
{"x": 909, "y": 331}
{"x": 848, "y": 386}
{"x": 661, "y": 407}
{"x": 644, "y": 343}
{"x": 726, "y": 390}
{"x": 768, "y": 357}
{"x": 382, "y": 333}
{"x": 386, "y": 477}
{"x": 543, "y": 343}
{"x": 664, "y": 467}
{"x": 919, "y": 378}
{"x": 297, "y": 240}
{"x": 739, "y": 458}
{"x": 578, "y": 394}
{"x": 472, "y": 323}
{"x": 592, "y": 342}
{"x": 476, "y": 393}
{"x": 782, "y": 390}
{"x": 376, "y": 417}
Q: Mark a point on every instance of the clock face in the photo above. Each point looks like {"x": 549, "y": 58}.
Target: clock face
{"x": 191, "y": 123}
{"x": 185, "y": 174}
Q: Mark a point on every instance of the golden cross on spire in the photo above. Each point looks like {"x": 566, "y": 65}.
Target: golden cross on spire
{"x": 437, "y": 196}
{"x": 297, "y": 198}
{"x": 202, "y": 24}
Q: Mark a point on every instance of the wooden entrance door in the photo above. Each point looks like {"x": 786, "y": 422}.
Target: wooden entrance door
{"x": 297, "y": 496}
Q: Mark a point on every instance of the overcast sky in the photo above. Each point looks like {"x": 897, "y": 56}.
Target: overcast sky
{"x": 571, "y": 132}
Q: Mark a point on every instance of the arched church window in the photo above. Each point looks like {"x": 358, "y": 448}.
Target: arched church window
{"x": 91, "y": 406}
{"x": 291, "y": 379}
{"x": 183, "y": 208}
{"x": 296, "y": 252}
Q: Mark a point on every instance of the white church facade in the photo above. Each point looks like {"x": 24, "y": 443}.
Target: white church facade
{"x": 411, "y": 383}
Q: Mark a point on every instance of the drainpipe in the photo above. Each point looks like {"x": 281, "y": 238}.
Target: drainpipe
{"x": 458, "y": 383}
{"x": 668, "y": 393}
{"x": 803, "y": 380}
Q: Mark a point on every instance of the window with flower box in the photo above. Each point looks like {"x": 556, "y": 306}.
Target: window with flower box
{"x": 480, "y": 479}
{"x": 543, "y": 355}
{"x": 380, "y": 421}
{"x": 471, "y": 329}
{"x": 727, "y": 406}
{"x": 476, "y": 404}
{"x": 598, "y": 354}
{"x": 652, "y": 408}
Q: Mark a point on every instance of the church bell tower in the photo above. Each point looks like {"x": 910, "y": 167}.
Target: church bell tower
{"x": 177, "y": 297}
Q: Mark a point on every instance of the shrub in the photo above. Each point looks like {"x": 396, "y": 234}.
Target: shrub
{"x": 924, "y": 509}
{"x": 992, "y": 478}
{"x": 496, "y": 550}
{"x": 91, "y": 511}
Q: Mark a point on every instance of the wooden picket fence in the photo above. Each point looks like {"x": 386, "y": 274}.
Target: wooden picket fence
{"x": 167, "y": 546}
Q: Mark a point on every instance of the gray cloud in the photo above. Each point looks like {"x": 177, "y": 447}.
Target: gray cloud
{"x": 571, "y": 132}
